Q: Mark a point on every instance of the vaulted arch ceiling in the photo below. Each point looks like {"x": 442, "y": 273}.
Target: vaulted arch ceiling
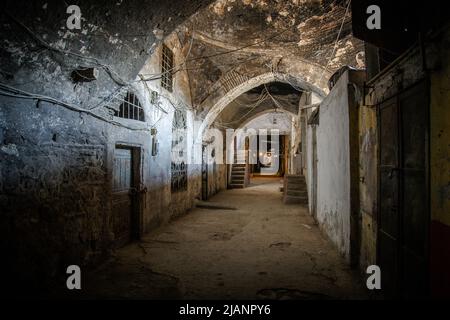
{"x": 309, "y": 38}
{"x": 270, "y": 97}
{"x": 237, "y": 45}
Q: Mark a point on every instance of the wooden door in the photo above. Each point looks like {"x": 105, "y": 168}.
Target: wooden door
{"x": 125, "y": 194}
{"x": 403, "y": 220}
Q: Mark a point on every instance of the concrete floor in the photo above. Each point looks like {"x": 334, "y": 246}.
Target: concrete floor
{"x": 262, "y": 250}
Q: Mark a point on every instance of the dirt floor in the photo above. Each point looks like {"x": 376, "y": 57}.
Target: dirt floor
{"x": 262, "y": 250}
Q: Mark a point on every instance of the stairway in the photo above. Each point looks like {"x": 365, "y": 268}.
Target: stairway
{"x": 237, "y": 176}
{"x": 295, "y": 191}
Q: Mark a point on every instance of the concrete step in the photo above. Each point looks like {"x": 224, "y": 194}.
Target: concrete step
{"x": 296, "y": 190}
{"x": 296, "y": 187}
{"x": 236, "y": 186}
{"x": 295, "y": 200}
{"x": 295, "y": 193}
{"x": 291, "y": 176}
{"x": 296, "y": 180}
{"x": 296, "y": 184}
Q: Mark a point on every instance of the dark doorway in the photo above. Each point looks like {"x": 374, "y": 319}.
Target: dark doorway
{"x": 271, "y": 153}
{"x": 125, "y": 204}
{"x": 204, "y": 173}
{"x": 403, "y": 194}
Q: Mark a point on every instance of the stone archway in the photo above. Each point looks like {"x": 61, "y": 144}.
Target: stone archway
{"x": 234, "y": 84}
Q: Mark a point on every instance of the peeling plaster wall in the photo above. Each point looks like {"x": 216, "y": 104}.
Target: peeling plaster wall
{"x": 337, "y": 173}
{"x": 170, "y": 205}
{"x": 56, "y": 164}
{"x": 333, "y": 167}
{"x": 368, "y": 146}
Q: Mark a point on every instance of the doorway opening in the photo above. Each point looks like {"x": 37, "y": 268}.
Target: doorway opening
{"x": 271, "y": 161}
{"x": 126, "y": 209}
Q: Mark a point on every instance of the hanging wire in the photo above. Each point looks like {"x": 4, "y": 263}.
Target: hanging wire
{"x": 336, "y": 42}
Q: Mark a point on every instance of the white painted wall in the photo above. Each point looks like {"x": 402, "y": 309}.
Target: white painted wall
{"x": 333, "y": 152}
{"x": 265, "y": 121}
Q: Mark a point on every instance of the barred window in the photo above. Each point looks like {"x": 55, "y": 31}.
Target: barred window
{"x": 130, "y": 108}
{"x": 179, "y": 146}
{"x": 167, "y": 68}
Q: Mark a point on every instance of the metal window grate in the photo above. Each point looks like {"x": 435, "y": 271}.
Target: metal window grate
{"x": 167, "y": 68}
{"x": 179, "y": 155}
{"x": 130, "y": 108}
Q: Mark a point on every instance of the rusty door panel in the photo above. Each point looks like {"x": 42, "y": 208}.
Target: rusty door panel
{"x": 403, "y": 219}
{"x": 415, "y": 217}
{"x": 389, "y": 196}
{"x": 389, "y": 168}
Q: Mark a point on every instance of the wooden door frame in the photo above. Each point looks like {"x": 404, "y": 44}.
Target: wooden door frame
{"x": 136, "y": 202}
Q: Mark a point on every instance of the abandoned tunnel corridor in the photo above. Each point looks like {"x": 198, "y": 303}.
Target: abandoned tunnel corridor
{"x": 224, "y": 149}
{"x": 246, "y": 245}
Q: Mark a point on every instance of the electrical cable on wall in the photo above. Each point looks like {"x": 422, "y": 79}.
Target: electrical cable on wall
{"x": 9, "y": 91}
